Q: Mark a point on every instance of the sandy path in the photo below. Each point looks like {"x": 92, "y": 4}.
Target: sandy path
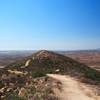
{"x": 72, "y": 89}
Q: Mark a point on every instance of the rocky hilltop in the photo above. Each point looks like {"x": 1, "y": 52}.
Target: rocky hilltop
{"x": 26, "y": 79}
{"x": 50, "y": 62}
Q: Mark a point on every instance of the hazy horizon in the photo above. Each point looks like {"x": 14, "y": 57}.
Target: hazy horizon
{"x": 32, "y": 50}
{"x": 49, "y": 24}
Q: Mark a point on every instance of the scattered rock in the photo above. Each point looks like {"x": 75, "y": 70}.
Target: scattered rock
{"x": 17, "y": 72}
{"x": 22, "y": 92}
{"x": 27, "y": 63}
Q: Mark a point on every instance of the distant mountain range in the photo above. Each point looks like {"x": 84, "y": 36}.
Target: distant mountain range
{"x": 98, "y": 49}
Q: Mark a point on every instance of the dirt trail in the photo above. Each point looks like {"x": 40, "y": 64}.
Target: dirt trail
{"x": 72, "y": 89}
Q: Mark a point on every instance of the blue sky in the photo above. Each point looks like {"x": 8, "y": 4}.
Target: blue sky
{"x": 49, "y": 24}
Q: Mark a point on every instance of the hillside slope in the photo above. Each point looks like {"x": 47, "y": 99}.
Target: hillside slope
{"x": 50, "y": 62}
{"x": 26, "y": 79}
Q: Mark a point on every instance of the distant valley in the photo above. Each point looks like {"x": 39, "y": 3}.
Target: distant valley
{"x": 88, "y": 57}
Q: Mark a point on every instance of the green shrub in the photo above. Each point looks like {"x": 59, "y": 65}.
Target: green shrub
{"x": 14, "y": 97}
{"x": 38, "y": 74}
{"x": 93, "y": 74}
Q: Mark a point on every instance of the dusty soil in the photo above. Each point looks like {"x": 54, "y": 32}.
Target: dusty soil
{"x": 73, "y": 89}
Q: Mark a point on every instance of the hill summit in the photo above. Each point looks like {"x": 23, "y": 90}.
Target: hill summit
{"x": 51, "y": 62}
{"x": 44, "y": 53}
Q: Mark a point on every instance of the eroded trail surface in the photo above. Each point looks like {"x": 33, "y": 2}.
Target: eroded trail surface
{"x": 72, "y": 89}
